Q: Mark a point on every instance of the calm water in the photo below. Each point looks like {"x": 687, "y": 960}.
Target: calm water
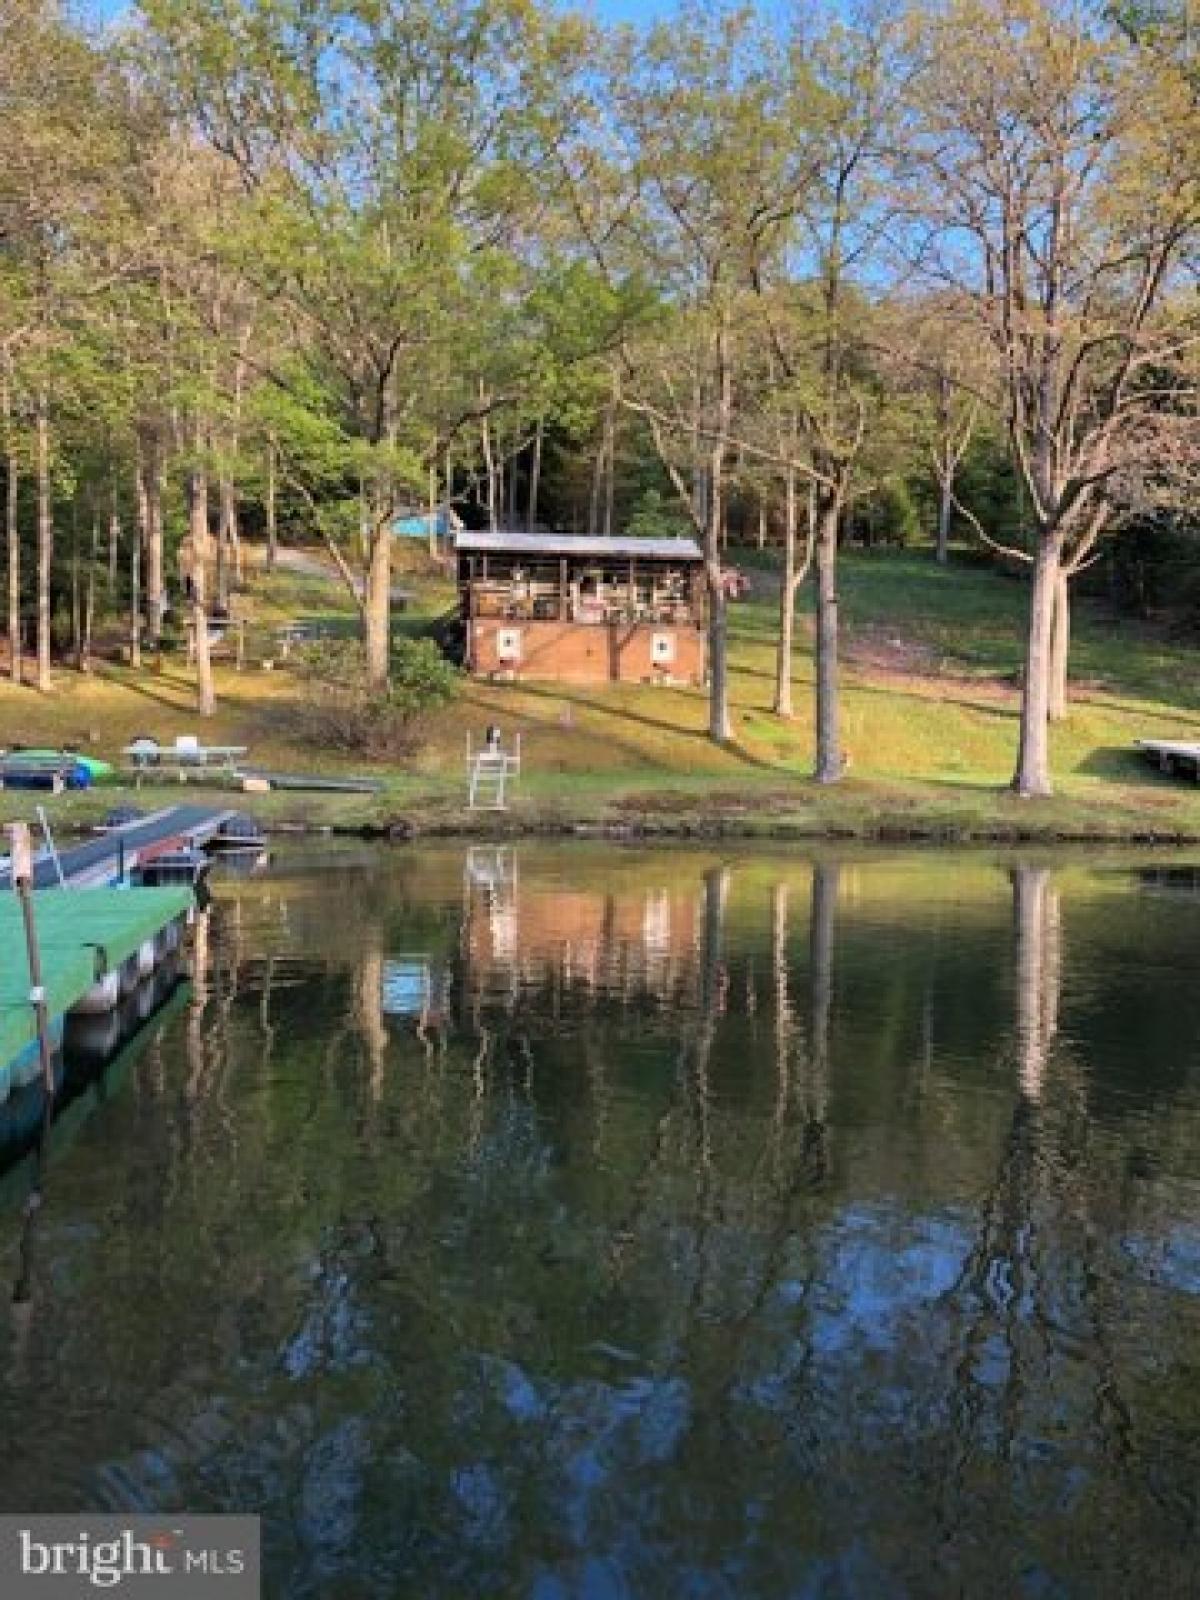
{"x": 597, "y": 1222}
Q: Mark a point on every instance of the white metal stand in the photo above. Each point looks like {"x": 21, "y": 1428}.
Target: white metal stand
{"x": 489, "y": 770}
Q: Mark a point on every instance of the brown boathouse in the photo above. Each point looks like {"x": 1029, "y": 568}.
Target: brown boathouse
{"x": 582, "y": 610}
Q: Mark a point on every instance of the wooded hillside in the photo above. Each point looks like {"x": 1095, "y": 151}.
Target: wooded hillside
{"x": 286, "y": 270}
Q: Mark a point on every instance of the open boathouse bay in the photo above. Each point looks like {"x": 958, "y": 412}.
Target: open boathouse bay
{"x": 590, "y": 1221}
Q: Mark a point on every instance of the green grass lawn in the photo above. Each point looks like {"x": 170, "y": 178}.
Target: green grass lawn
{"x": 930, "y": 722}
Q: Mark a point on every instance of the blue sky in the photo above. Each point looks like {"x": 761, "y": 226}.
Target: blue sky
{"x": 628, "y": 10}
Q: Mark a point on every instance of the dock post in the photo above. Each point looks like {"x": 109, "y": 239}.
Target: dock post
{"x": 22, "y": 877}
{"x": 51, "y": 846}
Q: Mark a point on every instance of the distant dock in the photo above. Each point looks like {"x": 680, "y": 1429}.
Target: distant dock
{"x": 1179, "y": 759}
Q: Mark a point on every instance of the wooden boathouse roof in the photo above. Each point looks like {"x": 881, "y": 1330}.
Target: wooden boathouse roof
{"x": 567, "y": 544}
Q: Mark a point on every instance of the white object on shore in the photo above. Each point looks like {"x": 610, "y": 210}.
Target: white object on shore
{"x": 489, "y": 770}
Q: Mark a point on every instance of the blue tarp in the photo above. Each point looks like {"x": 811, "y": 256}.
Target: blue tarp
{"x": 416, "y": 525}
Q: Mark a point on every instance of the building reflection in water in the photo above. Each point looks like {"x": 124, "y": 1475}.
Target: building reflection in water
{"x": 721, "y": 1217}
{"x": 578, "y": 946}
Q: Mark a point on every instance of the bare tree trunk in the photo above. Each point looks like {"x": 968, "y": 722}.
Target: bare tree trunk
{"x": 227, "y": 539}
{"x": 489, "y": 461}
{"x": 510, "y": 515}
{"x": 535, "y": 476}
{"x": 1032, "y": 777}
{"x": 231, "y": 514}
{"x": 197, "y": 500}
{"x": 12, "y": 534}
{"x": 1060, "y": 649}
{"x": 787, "y": 603}
{"x": 720, "y": 723}
{"x": 831, "y": 763}
{"x": 114, "y": 540}
{"x": 234, "y": 528}
{"x": 377, "y": 612}
{"x": 89, "y": 603}
{"x": 150, "y": 475}
{"x": 137, "y": 544}
{"x": 220, "y": 575}
{"x": 762, "y": 524}
{"x": 945, "y": 513}
{"x": 699, "y": 471}
{"x": 597, "y": 496}
{"x": 944, "y": 461}
{"x": 135, "y": 596}
{"x": 432, "y": 530}
{"x": 272, "y": 522}
{"x": 76, "y": 612}
{"x": 610, "y": 464}
{"x": 363, "y": 540}
{"x": 45, "y": 545}
{"x": 156, "y": 592}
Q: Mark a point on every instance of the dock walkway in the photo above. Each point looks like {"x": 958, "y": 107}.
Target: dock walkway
{"x": 82, "y": 937}
{"x": 98, "y": 861}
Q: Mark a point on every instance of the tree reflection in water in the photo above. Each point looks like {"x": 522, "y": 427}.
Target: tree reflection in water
{"x": 599, "y": 1221}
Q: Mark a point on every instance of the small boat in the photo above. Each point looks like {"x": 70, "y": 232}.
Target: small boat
{"x": 184, "y": 866}
{"x": 121, "y": 817}
{"x": 95, "y": 768}
{"x": 239, "y": 832}
{"x": 32, "y": 772}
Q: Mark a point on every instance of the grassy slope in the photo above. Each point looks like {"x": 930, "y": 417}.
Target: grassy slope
{"x": 930, "y": 723}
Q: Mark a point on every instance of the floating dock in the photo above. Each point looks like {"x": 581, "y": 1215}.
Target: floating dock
{"x": 1168, "y": 755}
{"x": 95, "y": 948}
{"x": 119, "y": 851}
{"x": 96, "y": 1052}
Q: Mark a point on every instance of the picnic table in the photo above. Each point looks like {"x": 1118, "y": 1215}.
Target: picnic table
{"x": 293, "y": 633}
{"x": 186, "y": 757}
{"x": 289, "y": 634}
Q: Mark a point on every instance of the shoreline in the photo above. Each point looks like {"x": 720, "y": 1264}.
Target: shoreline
{"x": 533, "y": 822}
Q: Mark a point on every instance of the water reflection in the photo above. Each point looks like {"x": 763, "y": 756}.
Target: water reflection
{"x": 573, "y": 1222}
{"x": 1038, "y": 936}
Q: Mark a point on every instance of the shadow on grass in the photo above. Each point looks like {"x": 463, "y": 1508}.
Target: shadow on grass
{"x": 694, "y": 736}
{"x": 162, "y": 689}
{"x": 1153, "y": 706}
{"x": 987, "y": 708}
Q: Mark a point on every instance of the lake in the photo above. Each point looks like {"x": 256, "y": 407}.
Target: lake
{"x": 594, "y": 1221}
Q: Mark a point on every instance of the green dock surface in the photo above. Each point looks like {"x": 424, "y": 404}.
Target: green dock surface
{"x": 82, "y": 933}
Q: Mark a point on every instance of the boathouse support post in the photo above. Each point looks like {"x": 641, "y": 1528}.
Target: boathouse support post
{"x": 21, "y": 855}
